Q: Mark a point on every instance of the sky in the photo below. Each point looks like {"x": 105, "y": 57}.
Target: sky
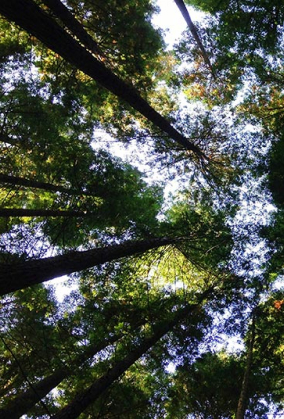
{"x": 169, "y": 19}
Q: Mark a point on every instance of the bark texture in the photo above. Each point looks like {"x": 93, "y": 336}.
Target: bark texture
{"x": 24, "y": 274}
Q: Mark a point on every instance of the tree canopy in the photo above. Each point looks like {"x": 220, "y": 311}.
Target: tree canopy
{"x": 146, "y": 181}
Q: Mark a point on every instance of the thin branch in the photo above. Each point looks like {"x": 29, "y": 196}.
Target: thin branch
{"x": 23, "y": 212}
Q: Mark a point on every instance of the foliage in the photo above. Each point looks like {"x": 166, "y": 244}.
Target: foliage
{"x": 221, "y": 158}
{"x": 216, "y": 394}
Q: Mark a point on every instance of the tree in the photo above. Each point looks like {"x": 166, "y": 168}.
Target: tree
{"x": 22, "y": 212}
{"x": 268, "y": 348}
{"x": 33, "y": 183}
{"x": 83, "y": 400}
{"x": 208, "y": 388}
{"x": 180, "y": 220}
{"x": 62, "y": 12}
{"x": 243, "y": 399}
{"x": 49, "y": 148}
{"x": 26, "y": 400}
{"x": 194, "y": 32}
{"x": 118, "y": 322}
{"x": 30, "y": 272}
{"x": 29, "y": 338}
{"x": 62, "y": 43}
{"x": 241, "y": 34}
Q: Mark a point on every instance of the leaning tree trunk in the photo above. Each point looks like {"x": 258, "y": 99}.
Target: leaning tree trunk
{"x": 91, "y": 394}
{"x": 243, "y": 399}
{"x": 26, "y": 400}
{"x": 26, "y": 212}
{"x": 24, "y": 274}
{"x": 33, "y": 19}
{"x": 77, "y": 29}
{"x": 21, "y": 404}
{"x": 192, "y": 28}
{"x": 30, "y": 183}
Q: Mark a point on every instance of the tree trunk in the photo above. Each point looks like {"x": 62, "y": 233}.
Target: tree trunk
{"x": 192, "y": 28}
{"x": 243, "y": 399}
{"x": 33, "y": 19}
{"x": 26, "y": 400}
{"x": 23, "y": 212}
{"x": 69, "y": 20}
{"x": 24, "y": 274}
{"x": 91, "y": 394}
{"x": 30, "y": 183}
{"x": 21, "y": 404}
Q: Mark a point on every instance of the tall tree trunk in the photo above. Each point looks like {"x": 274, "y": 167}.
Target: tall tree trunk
{"x": 243, "y": 399}
{"x": 192, "y": 28}
{"x": 77, "y": 29}
{"x": 25, "y": 212}
{"x": 24, "y": 274}
{"x": 91, "y": 394}
{"x": 26, "y": 400}
{"x": 30, "y": 183}
{"x": 21, "y": 404}
{"x": 33, "y": 19}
